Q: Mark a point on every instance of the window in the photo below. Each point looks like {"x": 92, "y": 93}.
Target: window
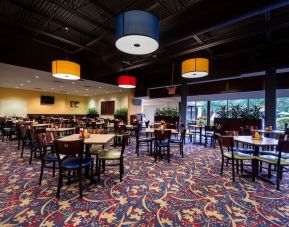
{"x": 282, "y": 112}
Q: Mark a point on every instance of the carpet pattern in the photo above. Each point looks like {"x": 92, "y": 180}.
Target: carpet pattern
{"x": 188, "y": 191}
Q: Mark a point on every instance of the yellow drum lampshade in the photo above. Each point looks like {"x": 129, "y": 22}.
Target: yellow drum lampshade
{"x": 65, "y": 70}
{"x": 195, "y": 68}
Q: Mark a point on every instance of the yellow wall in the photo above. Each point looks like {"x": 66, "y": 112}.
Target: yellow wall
{"x": 32, "y": 101}
{"x": 120, "y": 98}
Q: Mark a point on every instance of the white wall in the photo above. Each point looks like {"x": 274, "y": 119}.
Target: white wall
{"x": 10, "y": 107}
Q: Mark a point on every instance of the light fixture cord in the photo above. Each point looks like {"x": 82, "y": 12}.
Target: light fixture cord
{"x": 173, "y": 69}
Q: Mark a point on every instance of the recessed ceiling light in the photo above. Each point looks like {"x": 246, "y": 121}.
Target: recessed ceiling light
{"x": 36, "y": 77}
{"x": 99, "y": 87}
{"x": 16, "y": 87}
{"x": 52, "y": 88}
{"x": 106, "y": 92}
{"x": 21, "y": 84}
{"x": 28, "y": 81}
{"x": 86, "y": 89}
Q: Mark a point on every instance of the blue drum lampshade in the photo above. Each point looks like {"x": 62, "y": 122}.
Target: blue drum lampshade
{"x": 137, "y": 32}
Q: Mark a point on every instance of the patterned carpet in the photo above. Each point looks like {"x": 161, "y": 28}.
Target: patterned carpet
{"x": 186, "y": 192}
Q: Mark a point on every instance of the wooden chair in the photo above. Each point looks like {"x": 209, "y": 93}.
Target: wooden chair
{"x": 210, "y": 133}
{"x": 233, "y": 155}
{"x": 48, "y": 160}
{"x": 113, "y": 156}
{"x": 74, "y": 161}
{"x": 162, "y": 141}
{"x": 279, "y": 161}
{"x": 180, "y": 141}
{"x": 140, "y": 141}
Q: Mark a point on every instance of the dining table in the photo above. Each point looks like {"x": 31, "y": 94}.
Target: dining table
{"x": 61, "y": 131}
{"x": 38, "y": 126}
{"x": 197, "y": 129}
{"x": 269, "y": 133}
{"x": 257, "y": 144}
{"x": 151, "y": 131}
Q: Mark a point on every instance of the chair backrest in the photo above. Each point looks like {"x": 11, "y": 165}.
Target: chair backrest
{"x": 232, "y": 133}
{"x": 283, "y": 146}
{"x": 120, "y": 129}
{"x": 209, "y": 128}
{"x": 74, "y": 147}
{"x": 136, "y": 130}
{"x": 42, "y": 139}
{"x": 183, "y": 133}
{"x": 245, "y": 131}
{"x": 147, "y": 123}
{"x": 163, "y": 134}
{"x": 123, "y": 144}
{"x": 226, "y": 142}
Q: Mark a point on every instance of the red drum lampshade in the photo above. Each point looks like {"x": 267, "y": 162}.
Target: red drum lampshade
{"x": 127, "y": 81}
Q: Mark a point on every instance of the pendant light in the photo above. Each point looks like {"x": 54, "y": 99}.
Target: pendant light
{"x": 195, "y": 68}
{"x": 137, "y": 32}
{"x": 126, "y": 81}
{"x": 67, "y": 70}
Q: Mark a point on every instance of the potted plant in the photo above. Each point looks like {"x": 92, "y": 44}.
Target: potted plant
{"x": 237, "y": 116}
{"x": 121, "y": 114}
{"x": 92, "y": 112}
{"x": 167, "y": 114}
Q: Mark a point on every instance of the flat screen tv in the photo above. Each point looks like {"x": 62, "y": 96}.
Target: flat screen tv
{"x": 44, "y": 100}
{"x": 137, "y": 102}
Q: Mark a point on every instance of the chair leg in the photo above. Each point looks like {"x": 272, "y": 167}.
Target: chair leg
{"x": 80, "y": 182}
{"x": 53, "y": 169}
{"x": 253, "y": 169}
{"x": 269, "y": 170}
{"x": 169, "y": 154}
{"x": 120, "y": 170}
{"x": 233, "y": 169}
{"x": 137, "y": 149}
{"x": 91, "y": 173}
{"x": 59, "y": 183}
{"x": 41, "y": 172}
{"x": 278, "y": 178}
{"x": 222, "y": 165}
{"x": 242, "y": 166}
{"x": 31, "y": 155}
{"x": 98, "y": 171}
{"x": 103, "y": 165}
{"x": 22, "y": 150}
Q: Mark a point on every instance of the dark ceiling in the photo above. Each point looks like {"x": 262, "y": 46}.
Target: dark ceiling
{"x": 237, "y": 36}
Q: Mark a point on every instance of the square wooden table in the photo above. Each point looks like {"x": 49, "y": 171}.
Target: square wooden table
{"x": 256, "y": 143}
{"x": 60, "y": 131}
{"x": 98, "y": 139}
{"x": 151, "y": 131}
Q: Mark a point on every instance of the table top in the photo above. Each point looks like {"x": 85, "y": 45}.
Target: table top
{"x": 271, "y": 131}
{"x": 40, "y": 125}
{"x": 152, "y": 130}
{"x": 100, "y": 139}
{"x": 59, "y": 129}
{"x": 249, "y": 140}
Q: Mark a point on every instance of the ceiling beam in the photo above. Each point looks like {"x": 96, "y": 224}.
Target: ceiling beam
{"x": 46, "y": 34}
{"x": 212, "y": 44}
{"x": 245, "y": 16}
{"x": 80, "y": 15}
{"x": 52, "y": 19}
